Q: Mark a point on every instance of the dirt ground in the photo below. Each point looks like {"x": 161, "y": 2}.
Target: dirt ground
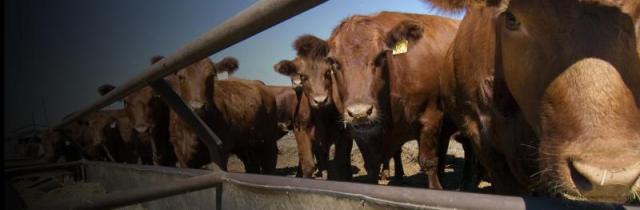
{"x": 288, "y": 163}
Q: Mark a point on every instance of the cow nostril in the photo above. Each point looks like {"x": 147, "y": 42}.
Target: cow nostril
{"x": 196, "y": 105}
{"x": 350, "y": 113}
{"x": 582, "y": 183}
{"x": 142, "y": 129}
{"x": 370, "y": 110}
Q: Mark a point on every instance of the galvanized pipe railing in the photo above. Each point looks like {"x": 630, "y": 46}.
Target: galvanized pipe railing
{"x": 140, "y": 195}
{"x": 383, "y": 195}
{"x": 245, "y": 24}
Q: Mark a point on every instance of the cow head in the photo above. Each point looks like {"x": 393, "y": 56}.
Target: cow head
{"x": 141, "y": 105}
{"x": 572, "y": 67}
{"x": 310, "y": 70}
{"x": 361, "y": 56}
{"x": 194, "y": 80}
{"x": 96, "y": 127}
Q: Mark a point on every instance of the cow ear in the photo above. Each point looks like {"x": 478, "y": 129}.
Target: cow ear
{"x": 311, "y": 46}
{"x": 460, "y": 5}
{"x": 285, "y": 67}
{"x": 228, "y": 64}
{"x": 106, "y": 88}
{"x": 155, "y": 59}
{"x": 408, "y": 30}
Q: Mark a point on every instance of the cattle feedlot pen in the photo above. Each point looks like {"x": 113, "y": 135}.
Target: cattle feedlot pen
{"x": 230, "y": 187}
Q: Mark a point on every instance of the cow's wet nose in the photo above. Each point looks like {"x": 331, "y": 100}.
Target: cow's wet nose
{"x": 360, "y": 111}
{"x": 142, "y": 128}
{"x": 320, "y": 100}
{"x": 196, "y": 105}
{"x": 591, "y": 179}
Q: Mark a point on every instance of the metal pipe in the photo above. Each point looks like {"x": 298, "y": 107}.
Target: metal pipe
{"x": 129, "y": 197}
{"x": 38, "y": 168}
{"x": 245, "y": 24}
{"x": 409, "y": 197}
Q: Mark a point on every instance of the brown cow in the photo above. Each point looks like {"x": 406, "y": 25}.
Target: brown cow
{"x": 386, "y": 67}
{"x": 244, "y": 115}
{"x": 97, "y": 136}
{"x": 62, "y": 143}
{"x": 194, "y": 85}
{"x": 149, "y": 116}
{"x": 242, "y": 112}
{"x": 550, "y": 92}
{"x": 286, "y": 103}
{"x": 108, "y": 134}
{"x": 108, "y": 137}
{"x": 317, "y": 124}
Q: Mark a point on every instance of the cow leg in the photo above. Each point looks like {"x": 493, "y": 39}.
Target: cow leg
{"x": 398, "y": 168}
{"x": 269, "y": 157}
{"x": 342, "y": 157}
{"x": 145, "y": 153}
{"x": 428, "y": 146}
{"x": 372, "y": 159}
{"x": 385, "y": 174}
{"x": 471, "y": 174}
{"x": 305, "y": 153}
{"x": 322, "y": 158}
{"x": 254, "y": 156}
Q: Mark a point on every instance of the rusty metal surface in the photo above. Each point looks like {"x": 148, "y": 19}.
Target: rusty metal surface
{"x": 205, "y": 134}
{"x": 258, "y": 17}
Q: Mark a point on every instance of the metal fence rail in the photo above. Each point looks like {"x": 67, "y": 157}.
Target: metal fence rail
{"x": 255, "y": 19}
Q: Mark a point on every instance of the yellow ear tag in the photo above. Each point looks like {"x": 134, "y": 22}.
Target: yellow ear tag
{"x": 400, "y": 47}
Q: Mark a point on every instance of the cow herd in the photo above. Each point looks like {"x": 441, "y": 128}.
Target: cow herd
{"x": 543, "y": 95}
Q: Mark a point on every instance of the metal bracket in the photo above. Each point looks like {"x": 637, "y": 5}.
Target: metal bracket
{"x": 208, "y": 137}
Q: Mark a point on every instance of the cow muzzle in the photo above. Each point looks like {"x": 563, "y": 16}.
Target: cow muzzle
{"x": 361, "y": 116}
{"x": 142, "y": 128}
{"x": 196, "y": 105}
{"x": 319, "y": 100}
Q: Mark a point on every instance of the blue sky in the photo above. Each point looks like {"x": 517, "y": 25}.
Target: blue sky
{"x": 58, "y": 52}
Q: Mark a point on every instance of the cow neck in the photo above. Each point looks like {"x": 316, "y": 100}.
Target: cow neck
{"x": 297, "y": 109}
{"x": 391, "y": 68}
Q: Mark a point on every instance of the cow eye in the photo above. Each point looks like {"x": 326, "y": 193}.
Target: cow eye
{"x": 327, "y": 75}
{"x": 181, "y": 78}
{"x": 303, "y": 77}
{"x": 334, "y": 64}
{"x": 510, "y": 21}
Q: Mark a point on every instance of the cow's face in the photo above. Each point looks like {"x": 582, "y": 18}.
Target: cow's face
{"x": 313, "y": 77}
{"x": 572, "y": 67}
{"x": 193, "y": 82}
{"x": 95, "y": 135}
{"x": 310, "y": 70}
{"x": 360, "y": 53}
{"x": 138, "y": 106}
